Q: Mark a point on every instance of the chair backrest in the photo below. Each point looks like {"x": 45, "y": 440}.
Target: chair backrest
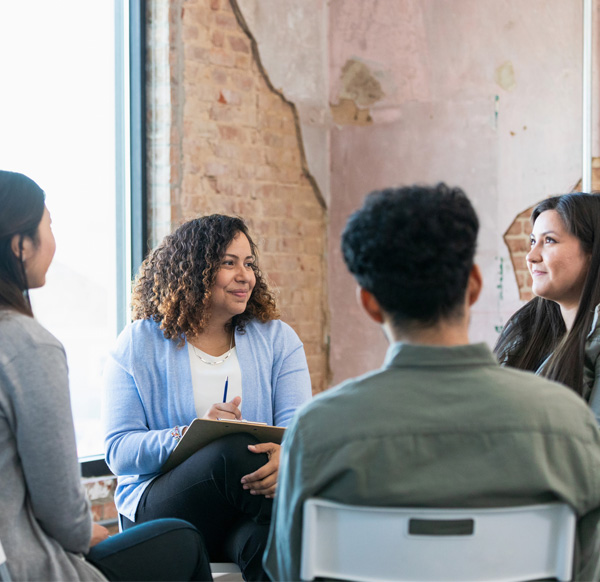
{"x": 4, "y": 573}
{"x": 225, "y": 572}
{"x": 368, "y": 544}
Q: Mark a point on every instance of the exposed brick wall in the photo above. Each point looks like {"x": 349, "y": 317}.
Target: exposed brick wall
{"x": 235, "y": 148}
{"x": 100, "y": 491}
{"x": 517, "y": 241}
{"x": 517, "y": 238}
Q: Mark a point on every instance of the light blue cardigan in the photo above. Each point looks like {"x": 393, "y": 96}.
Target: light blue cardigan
{"x": 148, "y": 391}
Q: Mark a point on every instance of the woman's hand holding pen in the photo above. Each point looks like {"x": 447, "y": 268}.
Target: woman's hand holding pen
{"x": 225, "y": 410}
{"x": 264, "y": 480}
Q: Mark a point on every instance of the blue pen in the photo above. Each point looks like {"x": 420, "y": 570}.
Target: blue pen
{"x": 225, "y": 391}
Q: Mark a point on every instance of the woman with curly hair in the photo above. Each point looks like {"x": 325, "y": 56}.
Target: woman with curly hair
{"x": 203, "y": 317}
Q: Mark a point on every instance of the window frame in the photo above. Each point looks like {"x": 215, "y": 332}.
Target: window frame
{"x": 131, "y": 176}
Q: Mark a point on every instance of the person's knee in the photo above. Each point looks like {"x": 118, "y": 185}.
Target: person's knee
{"x": 233, "y": 456}
{"x": 227, "y": 459}
{"x": 240, "y": 439}
{"x": 162, "y": 549}
{"x": 168, "y": 524}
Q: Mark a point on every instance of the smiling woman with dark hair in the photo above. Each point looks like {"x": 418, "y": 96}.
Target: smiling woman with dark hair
{"x": 204, "y": 318}
{"x": 557, "y": 333}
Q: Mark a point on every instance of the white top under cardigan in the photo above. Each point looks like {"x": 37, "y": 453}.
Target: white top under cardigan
{"x": 148, "y": 392}
{"x": 208, "y": 380}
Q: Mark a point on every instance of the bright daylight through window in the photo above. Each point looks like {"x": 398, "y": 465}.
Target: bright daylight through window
{"x": 57, "y": 125}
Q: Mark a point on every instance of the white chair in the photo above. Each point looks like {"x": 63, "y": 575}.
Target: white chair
{"x": 368, "y": 544}
{"x": 4, "y": 573}
{"x": 225, "y": 571}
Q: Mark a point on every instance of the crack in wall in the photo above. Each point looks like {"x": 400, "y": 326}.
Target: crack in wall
{"x": 256, "y": 55}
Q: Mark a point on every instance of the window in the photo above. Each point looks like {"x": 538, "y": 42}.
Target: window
{"x": 65, "y": 122}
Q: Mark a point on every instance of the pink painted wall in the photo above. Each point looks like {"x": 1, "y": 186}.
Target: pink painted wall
{"x": 481, "y": 94}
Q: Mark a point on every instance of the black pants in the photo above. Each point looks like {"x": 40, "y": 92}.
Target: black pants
{"x": 165, "y": 549}
{"x": 206, "y": 490}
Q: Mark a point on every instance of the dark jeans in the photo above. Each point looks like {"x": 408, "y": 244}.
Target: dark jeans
{"x": 165, "y": 549}
{"x": 206, "y": 490}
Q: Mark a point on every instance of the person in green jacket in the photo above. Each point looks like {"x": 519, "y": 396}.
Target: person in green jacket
{"x": 440, "y": 424}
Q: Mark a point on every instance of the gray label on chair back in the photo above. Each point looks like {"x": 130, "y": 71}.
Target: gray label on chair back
{"x": 441, "y": 527}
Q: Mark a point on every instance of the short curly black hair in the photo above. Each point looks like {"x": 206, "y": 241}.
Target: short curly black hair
{"x": 413, "y": 249}
{"x": 174, "y": 284}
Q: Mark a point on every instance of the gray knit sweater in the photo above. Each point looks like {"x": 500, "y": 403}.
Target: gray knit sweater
{"x": 45, "y": 520}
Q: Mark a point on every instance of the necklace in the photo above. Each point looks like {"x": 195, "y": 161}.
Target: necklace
{"x": 216, "y": 362}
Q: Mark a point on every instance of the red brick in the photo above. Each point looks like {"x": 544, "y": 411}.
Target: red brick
{"x": 232, "y": 133}
{"x": 264, "y": 173}
{"x": 523, "y": 278}
{"x": 196, "y": 15}
{"x": 215, "y": 169}
{"x": 219, "y": 76}
{"x": 273, "y": 140}
{"x": 239, "y": 45}
{"x": 243, "y": 82}
{"x": 291, "y": 245}
{"x": 242, "y": 61}
{"x": 312, "y": 246}
{"x": 110, "y": 510}
{"x": 290, "y": 141}
{"x": 226, "y": 20}
{"x": 283, "y": 157}
{"x": 515, "y": 228}
{"x": 221, "y": 58}
{"x": 231, "y": 97}
{"x": 218, "y": 38}
{"x": 190, "y": 32}
{"x": 252, "y": 155}
{"x": 198, "y": 53}
{"x": 226, "y": 151}
{"x": 518, "y": 244}
{"x": 97, "y": 512}
{"x": 269, "y": 245}
{"x": 268, "y": 100}
{"x": 246, "y": 172}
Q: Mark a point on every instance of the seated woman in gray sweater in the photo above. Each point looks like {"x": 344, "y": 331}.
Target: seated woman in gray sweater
{"x": 46, "y": 527}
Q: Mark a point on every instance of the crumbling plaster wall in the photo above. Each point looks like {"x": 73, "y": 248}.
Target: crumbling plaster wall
{"x": 481, "y": 94}
{"x": 292, "y": 42}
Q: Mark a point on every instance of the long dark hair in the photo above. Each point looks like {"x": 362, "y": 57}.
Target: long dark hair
{"x": 174, "y": 283}
{"x": 538, "y": 330}
{"x": 21, "y": 210}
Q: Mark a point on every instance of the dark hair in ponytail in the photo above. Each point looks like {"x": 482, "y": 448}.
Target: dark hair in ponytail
{"x": 21, "y": 210}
